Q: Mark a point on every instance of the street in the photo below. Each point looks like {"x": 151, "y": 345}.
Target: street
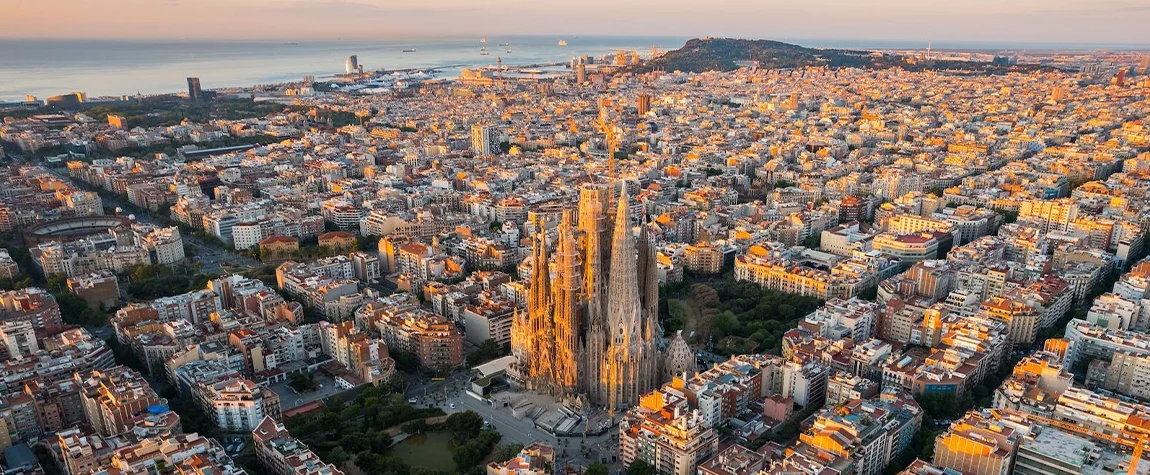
{"x": 213, "y": 259}
{"x": 289, "y": 399}
{"x": 575, "y": 451}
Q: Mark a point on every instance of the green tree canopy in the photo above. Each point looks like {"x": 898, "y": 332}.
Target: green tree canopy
{"x": 464, "y": 425}
{"x": 640, "y": 467}
{"x": 596, "y": 469}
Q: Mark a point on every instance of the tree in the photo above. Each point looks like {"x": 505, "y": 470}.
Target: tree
{"x": 813, "y": 241}
{"x": 338, "y": 456}
{"x": 487, "y": 351}
{"x": 77, "y": 312}
{"x": 56, "y": 283}
{"x": 640, "y": 467}
{"x": 938, "y": 406}
{"x": 415, "y": 427}
{"x": 472, "y": 452}
{"x": 368, "y": 243}
{"x": 405, "y": 361}
{"x": 302, "y": 383}
{"x": 1008, "y": 216}
{"x": 464, "y": 425}
{"x": 505, "y": 452}
{"x": 596, "y": 469}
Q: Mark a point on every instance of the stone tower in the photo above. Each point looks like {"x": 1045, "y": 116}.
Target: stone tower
{"x": 680, "y": 360}
{"x": 624, "y": 317}
{"x": 591, "y": 224}
{"x": 565, "y": 302}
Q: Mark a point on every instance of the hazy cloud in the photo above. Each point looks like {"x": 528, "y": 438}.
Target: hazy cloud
{"x": 1092, "y": 21}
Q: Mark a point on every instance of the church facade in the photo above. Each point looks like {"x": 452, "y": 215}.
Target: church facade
{"x": 590, "y": 330}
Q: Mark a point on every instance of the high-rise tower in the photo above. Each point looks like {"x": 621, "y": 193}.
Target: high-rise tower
{"x": 644, "y": 103}
{"x": 195, "y": 92}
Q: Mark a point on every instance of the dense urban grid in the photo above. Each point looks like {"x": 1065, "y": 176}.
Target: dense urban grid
{"x": 931, "y": 265}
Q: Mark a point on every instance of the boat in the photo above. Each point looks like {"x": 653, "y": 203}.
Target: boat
{"x": 483, "y": 40}
{"x": 484, "y": 53}
{"x": 562, "y": 42}
{"x": 505, "y": 44}
{"x": 508, "y": 50}
{"x": 409, "y": 50}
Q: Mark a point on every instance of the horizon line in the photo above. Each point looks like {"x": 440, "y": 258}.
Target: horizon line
{"x": 857, "y": 42}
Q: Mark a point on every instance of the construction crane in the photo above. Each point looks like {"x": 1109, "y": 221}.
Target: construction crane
{"x": 608, "y": 129}
{"x": 1133, "y": 441}
{"x": 1136, "y": 457}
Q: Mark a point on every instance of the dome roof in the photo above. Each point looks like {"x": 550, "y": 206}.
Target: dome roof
{"x": 680, "y": 358}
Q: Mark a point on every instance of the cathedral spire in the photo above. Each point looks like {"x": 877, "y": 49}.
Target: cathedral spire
{"x": 566, "y": 317}
{"x": 625, "y": 375}
{"x": 623, "y": 295}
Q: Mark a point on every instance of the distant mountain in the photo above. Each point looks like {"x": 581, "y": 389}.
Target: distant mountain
{"x": 721, "y": 54}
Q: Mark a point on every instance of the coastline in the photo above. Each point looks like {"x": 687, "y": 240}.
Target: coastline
{"x": 46, "y": 68}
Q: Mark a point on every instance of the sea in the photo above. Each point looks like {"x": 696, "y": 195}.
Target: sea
{"x": 44, "y": 68}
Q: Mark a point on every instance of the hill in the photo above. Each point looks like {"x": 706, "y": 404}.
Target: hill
{"x": 721, "y": 54}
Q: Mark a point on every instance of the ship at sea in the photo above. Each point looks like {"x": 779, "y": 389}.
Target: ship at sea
{"x": 562, "y": 42}
{"x": 412, "y": 50}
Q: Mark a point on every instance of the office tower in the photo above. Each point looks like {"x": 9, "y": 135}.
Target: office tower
{"x": 584, "y": 334}
{"x": 1144, "y": 66}
{"x": 793, "y": 103}
{"x": 484, "y": 140}
{"x": 352, "y": 64}
{"x": 644, "y": 103}
{"x": 1058, "y": 93}
{"x": 195, "y": 93}
{"x": 1120, "y": 79}
{"x": 581, "y": 73}
{"x": 309, "y": 80}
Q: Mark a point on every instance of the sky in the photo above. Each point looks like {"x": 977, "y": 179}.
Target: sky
{"x": 1028, "y": 21}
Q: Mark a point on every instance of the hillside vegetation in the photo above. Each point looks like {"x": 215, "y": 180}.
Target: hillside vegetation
{"x": 722, "y": 54}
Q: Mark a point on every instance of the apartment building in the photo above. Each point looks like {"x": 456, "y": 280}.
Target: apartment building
{"x": 666, "y": 434}
{"x": 236, "y": 404}
{"x": 977, "y": 445}
{"x": 281, "y": 454}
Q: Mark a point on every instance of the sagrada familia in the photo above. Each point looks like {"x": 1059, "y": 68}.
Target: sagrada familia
{"x": 590, "y": 335}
